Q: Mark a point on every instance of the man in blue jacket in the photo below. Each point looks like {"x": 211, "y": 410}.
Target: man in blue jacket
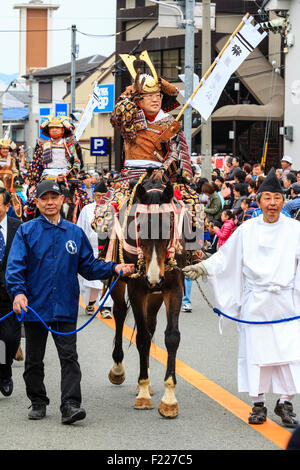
{"x": 46, "y": 255}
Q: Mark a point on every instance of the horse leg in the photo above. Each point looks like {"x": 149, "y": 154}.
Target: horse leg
{"x": 117, "y": 372}
{"x": 168, "y": 407}
{"x": 154, "y": 303}
{"x": 138, "y": 300}
{"x": 143, "y": 400}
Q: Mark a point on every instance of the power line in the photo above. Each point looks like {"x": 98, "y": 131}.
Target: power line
{"x": 282, "y": 67}
{"x": 113, "y": 34}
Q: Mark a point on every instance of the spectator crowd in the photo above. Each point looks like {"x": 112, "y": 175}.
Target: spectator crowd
{"x": 230, "y": 197}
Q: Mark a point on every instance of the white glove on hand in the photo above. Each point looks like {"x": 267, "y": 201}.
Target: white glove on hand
{"x": 195, "y": 271}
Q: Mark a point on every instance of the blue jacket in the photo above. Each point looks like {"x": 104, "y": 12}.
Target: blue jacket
{"x": 258, "y": 212}
{"x": 43, "y": 264}
{"x": 292, "y": 206}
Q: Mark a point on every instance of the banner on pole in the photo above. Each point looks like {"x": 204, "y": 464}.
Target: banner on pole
{"x": 239, "y": 48}
{"x": 87, "y": 114}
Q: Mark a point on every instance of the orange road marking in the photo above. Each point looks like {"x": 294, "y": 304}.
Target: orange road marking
{"x": 271, "y": 430}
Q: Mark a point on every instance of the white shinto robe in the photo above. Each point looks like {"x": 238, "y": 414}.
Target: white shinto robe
{"x": 84, "y": 221}
{"x": 255, "y": 276}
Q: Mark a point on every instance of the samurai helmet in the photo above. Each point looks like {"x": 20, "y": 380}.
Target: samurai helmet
{"x": 56, "y": 121}
{"x": 150, "y": 83}
{"x": 7, "y": 144}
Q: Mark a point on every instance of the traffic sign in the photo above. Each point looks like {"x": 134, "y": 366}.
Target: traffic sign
{"x": 99, "y": 146}
{"x": 106, "y": 95}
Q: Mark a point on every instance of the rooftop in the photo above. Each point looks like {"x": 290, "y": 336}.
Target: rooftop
{"x": 83, "y": 67}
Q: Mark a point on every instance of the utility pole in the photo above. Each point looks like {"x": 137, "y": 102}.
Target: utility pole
{"x": 31, "y": 119}
{"x": 189, "y": 67}
{"x": 73, "y": 69}
{"x": 206, "y": 134}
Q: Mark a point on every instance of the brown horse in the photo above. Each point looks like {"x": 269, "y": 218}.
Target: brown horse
{"x": 152, "y": 241}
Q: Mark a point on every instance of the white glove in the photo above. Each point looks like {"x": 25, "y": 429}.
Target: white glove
{"x": 195, "y": 271}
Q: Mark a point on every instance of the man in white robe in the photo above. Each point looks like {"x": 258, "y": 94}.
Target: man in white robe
{"x": 255, "y": 277}
{"x": 91, "y": 290}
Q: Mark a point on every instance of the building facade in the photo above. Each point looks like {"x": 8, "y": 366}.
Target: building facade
{"x": 50, "y": 86}
{"x": 99, "y": 126}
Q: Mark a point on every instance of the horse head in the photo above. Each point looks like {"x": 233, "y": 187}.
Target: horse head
{"x": 154, "y": 222}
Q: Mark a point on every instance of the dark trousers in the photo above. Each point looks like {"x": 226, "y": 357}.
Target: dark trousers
{"x": 10, "y": 336}
{"x": 36, "y": 338}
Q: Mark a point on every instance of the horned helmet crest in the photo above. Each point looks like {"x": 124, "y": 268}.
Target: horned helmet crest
{"x": 151, "y": 84}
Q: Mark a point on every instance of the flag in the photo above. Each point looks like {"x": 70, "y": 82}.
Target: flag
{"x": 239, "y": 48}
{"x": 87, "y": 113}
{"x": 7, "y": 133}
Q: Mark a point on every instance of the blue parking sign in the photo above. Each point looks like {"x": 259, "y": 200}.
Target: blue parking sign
{"x": 106, "y": 95}
{"x": 99, "y": 146}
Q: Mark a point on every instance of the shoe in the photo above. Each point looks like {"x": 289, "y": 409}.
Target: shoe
{"x": 6, "y": 387}
{"x": 106, "y": 312}
{"x": 72, "y": 413}
{"x": 187, "y": 308}
{"x": 38, "y": 411}
{"x": 90, "y": 310}
{"x": 285, "y": 411}
{"x": 258, "y": 414}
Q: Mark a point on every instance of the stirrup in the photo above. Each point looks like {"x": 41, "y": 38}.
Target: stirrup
{"x": 258, "y": 414}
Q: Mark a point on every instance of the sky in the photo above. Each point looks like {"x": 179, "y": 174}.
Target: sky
{"x": 89, "y": 16}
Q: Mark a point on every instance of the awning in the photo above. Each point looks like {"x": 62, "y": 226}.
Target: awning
{"x": 15, "y": 114}
{"x": 267, "y": 88}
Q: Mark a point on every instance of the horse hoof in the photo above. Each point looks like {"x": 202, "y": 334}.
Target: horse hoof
{"x": 168, "y": 411}
{"x": 116, "y": 379}
{"x": 143, "y": 404}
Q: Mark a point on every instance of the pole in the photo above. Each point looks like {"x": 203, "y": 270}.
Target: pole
{"x": 73, "y": 69}
{"x": 189, "y": 67}
{"x": 31, "y": 123}
{"x": 206, "y": 130}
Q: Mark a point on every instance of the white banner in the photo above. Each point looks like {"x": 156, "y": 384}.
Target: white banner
{"x": 7, "y": 133}
{"x": 240, "y": 47}
{"x": 87, "y": 113}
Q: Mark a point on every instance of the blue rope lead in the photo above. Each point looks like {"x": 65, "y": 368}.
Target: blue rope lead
{"x": 20, "y": 318}
{"x": 282, "y": 320}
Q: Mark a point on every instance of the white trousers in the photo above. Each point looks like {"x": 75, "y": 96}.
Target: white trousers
{"x": 281, "y": 378}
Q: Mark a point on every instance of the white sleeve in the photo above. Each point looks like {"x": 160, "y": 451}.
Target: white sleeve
{"x": 225, "y": 274}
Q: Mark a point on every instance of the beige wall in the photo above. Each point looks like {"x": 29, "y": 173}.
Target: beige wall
{"x": 100, "y": 124}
